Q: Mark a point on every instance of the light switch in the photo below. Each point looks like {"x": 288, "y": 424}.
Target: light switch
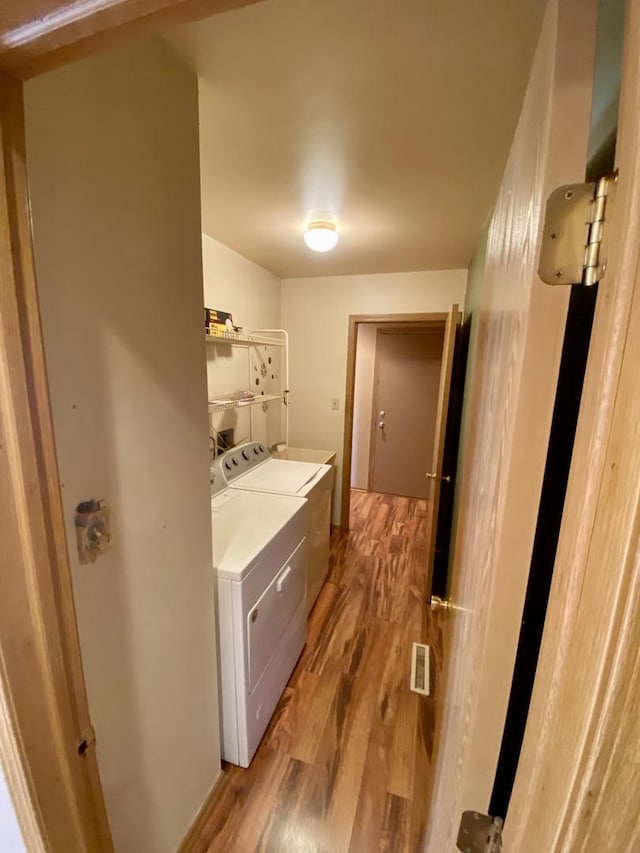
{"x": 335, "y": 404}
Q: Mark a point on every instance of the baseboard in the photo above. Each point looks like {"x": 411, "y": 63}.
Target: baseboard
{"x": 190, "y": 841}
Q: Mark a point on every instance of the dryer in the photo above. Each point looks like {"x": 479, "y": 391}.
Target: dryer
{"x": 259, "y": 557}
{"x": 250, "y": 467}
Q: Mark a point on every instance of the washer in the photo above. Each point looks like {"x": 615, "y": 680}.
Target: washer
{"x": 250, "y": 467}
{"x": 259, "y": 556}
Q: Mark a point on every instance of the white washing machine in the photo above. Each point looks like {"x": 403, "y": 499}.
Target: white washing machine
{"x": 259, "y": 556}
{"x": 250, "y": 467}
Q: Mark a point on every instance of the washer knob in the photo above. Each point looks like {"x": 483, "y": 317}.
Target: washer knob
{"x": 227, "y": 466}
{"x": 234, "y": 460}
{"x": 245, "y": 455}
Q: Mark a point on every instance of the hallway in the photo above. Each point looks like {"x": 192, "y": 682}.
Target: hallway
{"x": 345, "y": 763}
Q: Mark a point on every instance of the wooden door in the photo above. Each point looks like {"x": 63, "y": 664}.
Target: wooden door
{"x": 436, "y": 476}
{"x": 510, "y": 390}
{"x": 579, "y": 762}
{"x": 406, "y": 383}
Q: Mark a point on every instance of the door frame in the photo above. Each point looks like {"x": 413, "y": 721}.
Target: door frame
{"x": 35, "y": 565}
{"x": 402, "y": 321}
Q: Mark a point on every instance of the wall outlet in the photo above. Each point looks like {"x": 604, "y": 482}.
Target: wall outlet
{"x": 335, "y": 404}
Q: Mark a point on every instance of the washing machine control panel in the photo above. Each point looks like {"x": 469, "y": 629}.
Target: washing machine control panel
{"x": 236, "y": 462}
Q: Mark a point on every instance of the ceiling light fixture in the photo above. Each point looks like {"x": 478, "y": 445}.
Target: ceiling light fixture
{"x": 321, "y": 235}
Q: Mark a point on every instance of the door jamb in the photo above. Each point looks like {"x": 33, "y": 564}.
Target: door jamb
{"x": 25, "y": 338}
{"x": 427, "y": 320}
{"x": 372, "y": 425}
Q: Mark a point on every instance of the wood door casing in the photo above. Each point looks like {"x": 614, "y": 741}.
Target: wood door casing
{"x": 510, "y": 395}
{"x": 406, "y": 383}
{"x": 38, "y": 35}
{"x": 440, "y": 435}
{"x": 431, "y": 320}
{"x": 608, "y": 360}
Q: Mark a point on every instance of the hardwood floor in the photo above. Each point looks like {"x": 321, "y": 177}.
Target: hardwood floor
{"x": 346, "y": 762}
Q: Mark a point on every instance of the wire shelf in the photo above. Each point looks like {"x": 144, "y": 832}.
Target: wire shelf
{"x": 223, "y": 405}
{"x": 242, "y": 340}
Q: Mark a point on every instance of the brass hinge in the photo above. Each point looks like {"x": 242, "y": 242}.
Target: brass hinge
{"x": 479, "y": 833}
{"x": 574, "y": 249}
{"x": 87, "y": 740}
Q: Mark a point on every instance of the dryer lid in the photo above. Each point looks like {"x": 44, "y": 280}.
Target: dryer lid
{"x": 244, "y": 525}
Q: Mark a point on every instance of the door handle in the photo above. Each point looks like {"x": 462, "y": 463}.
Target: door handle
{"x": 441, "y": 604}
{"x": 443, "y": 478}
{"x": 282, "y": 580}
{"x": 381, "y": 424}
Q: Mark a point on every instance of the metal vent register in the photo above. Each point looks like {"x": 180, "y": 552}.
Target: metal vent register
{"x": 420, "y": 669}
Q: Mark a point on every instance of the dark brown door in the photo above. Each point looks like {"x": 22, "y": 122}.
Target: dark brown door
{"x": 405, "y": 406}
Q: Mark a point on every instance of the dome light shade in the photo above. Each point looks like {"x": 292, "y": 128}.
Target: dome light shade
{"x": 321, "y": 236}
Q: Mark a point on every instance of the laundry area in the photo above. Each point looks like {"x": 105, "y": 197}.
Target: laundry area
{"x": 261, "y": 243}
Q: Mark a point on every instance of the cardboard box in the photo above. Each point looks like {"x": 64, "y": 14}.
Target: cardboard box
{"x": 217, "y": 321}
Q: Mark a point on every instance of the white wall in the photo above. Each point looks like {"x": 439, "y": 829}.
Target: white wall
{"x": 315, "y": 311}
{"x": 10, "y": 835}
{"x": 114, "y": 168}
{"x": 362, "y": 404}
{"x": 252, "y": 295}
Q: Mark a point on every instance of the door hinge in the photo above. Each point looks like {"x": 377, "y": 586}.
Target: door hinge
{"x": 479, "y": 833}
{"x": 87, "y": 740}
{"x": 574, "y": 248}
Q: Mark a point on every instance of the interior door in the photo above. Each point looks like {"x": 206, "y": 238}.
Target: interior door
{"x": 514, "y": 355}
{"x": 407, "y": 373}
{"x": 435, "y": 474}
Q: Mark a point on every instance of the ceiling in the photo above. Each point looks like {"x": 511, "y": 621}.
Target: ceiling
{"x": 394, "y": 117}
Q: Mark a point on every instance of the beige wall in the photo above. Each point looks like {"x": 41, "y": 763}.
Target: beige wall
{"x": 315, "y": 311}
{"x": 252, "y": 294}
{"x": 362, "y": 403}
{"x": 113, "y": 163}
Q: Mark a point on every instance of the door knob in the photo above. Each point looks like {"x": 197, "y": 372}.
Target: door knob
{"x": 444, "y": 479}
{"x": 381, "y": 424}
{"x": 441, "y": 604}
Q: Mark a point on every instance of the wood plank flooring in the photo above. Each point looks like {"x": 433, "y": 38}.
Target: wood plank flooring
{"x": 346, "y": 762}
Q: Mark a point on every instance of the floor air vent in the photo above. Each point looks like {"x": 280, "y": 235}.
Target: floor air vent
{"x": 420, "y": 669}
